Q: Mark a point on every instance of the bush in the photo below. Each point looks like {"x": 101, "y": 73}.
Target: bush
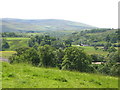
{"x": 28, "y": 55}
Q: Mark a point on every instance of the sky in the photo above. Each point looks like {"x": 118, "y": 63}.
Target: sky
{"x": 99, "y": 13}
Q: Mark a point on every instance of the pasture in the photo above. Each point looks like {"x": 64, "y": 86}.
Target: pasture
{"x": 90, "y": 50}
{"x": 6, "y": 54}
{"x": 16, "y": 43}
{"x": 15, "y": 38}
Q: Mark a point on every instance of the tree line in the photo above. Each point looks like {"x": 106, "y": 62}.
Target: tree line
{"x": 97, "y": 37}
{"x": 53, "y": 53}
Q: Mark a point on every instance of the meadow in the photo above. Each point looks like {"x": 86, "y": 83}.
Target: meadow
{"x": 6, "y": 54}
{"x": 15, "y": 38}
{"x": 27, "y": 76}
{"x": 91, "y": 50}
{"x": 16, "y": 42}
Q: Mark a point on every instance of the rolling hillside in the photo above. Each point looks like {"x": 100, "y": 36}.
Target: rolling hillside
{"x": 41, "y": 25}
{"x": 27, "y": 76}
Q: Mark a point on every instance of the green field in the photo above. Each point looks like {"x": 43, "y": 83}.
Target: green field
{"x": 28, "y": 76}
{"x": 16, "y": 38}
{"x": 16, "y": 43}
{"x": 6, "y": 54}
{"x": 90, "y": 50}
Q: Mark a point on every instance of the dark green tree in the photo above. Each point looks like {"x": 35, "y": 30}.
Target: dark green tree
{"x": 111, "y": 67}
{"x": 5, "y": 44}
{"x": 95, "y": 47}
{"x": 59, "y": 57}
{"x": 107, "y": 46}
{"x": 31, "y": 56}
{"x": 68, "y": 43}
{"x": 26, "y": 55}
{"x": 114, "y": 57}
{"x": 112, "y": 49}
{"x": 31, "y": 42}
{"x": 21, "y": 50}
{"x": 107, "y": 38}
{"x": 58, "y": 44}
{"x": 75, "y": 59}
{"x": 47, "y": 56}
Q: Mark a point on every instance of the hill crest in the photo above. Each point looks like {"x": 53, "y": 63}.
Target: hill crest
{"x": 15, "y": 25}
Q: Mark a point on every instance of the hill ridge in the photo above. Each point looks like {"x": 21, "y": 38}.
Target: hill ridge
{"x": 13, "y": 24}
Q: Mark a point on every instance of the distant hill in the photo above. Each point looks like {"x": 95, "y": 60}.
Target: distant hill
{"x": 41, "y": 25}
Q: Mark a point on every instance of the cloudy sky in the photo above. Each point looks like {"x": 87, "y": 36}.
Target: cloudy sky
{"x": 99, "y": 13}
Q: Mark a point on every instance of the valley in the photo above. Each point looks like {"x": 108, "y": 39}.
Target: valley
{"x": 58, "y": 54}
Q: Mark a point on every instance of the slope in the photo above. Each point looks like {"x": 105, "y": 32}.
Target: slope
{"x": 27, "y": 76}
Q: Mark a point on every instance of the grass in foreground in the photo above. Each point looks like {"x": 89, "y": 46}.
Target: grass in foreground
{"x": 27, "y": 76}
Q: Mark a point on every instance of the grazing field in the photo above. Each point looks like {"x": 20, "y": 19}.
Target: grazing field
{"x": 33, "y": 34}
{"x": 91, "y": 50}
{"x": 15, "y": 43}
{"x": 6, "y": 54}
{"x": 27, "y": 76}
{"x": 15, "y": 38}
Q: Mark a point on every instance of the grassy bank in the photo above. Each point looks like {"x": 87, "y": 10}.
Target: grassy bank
{"x": 27, "y": 76}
